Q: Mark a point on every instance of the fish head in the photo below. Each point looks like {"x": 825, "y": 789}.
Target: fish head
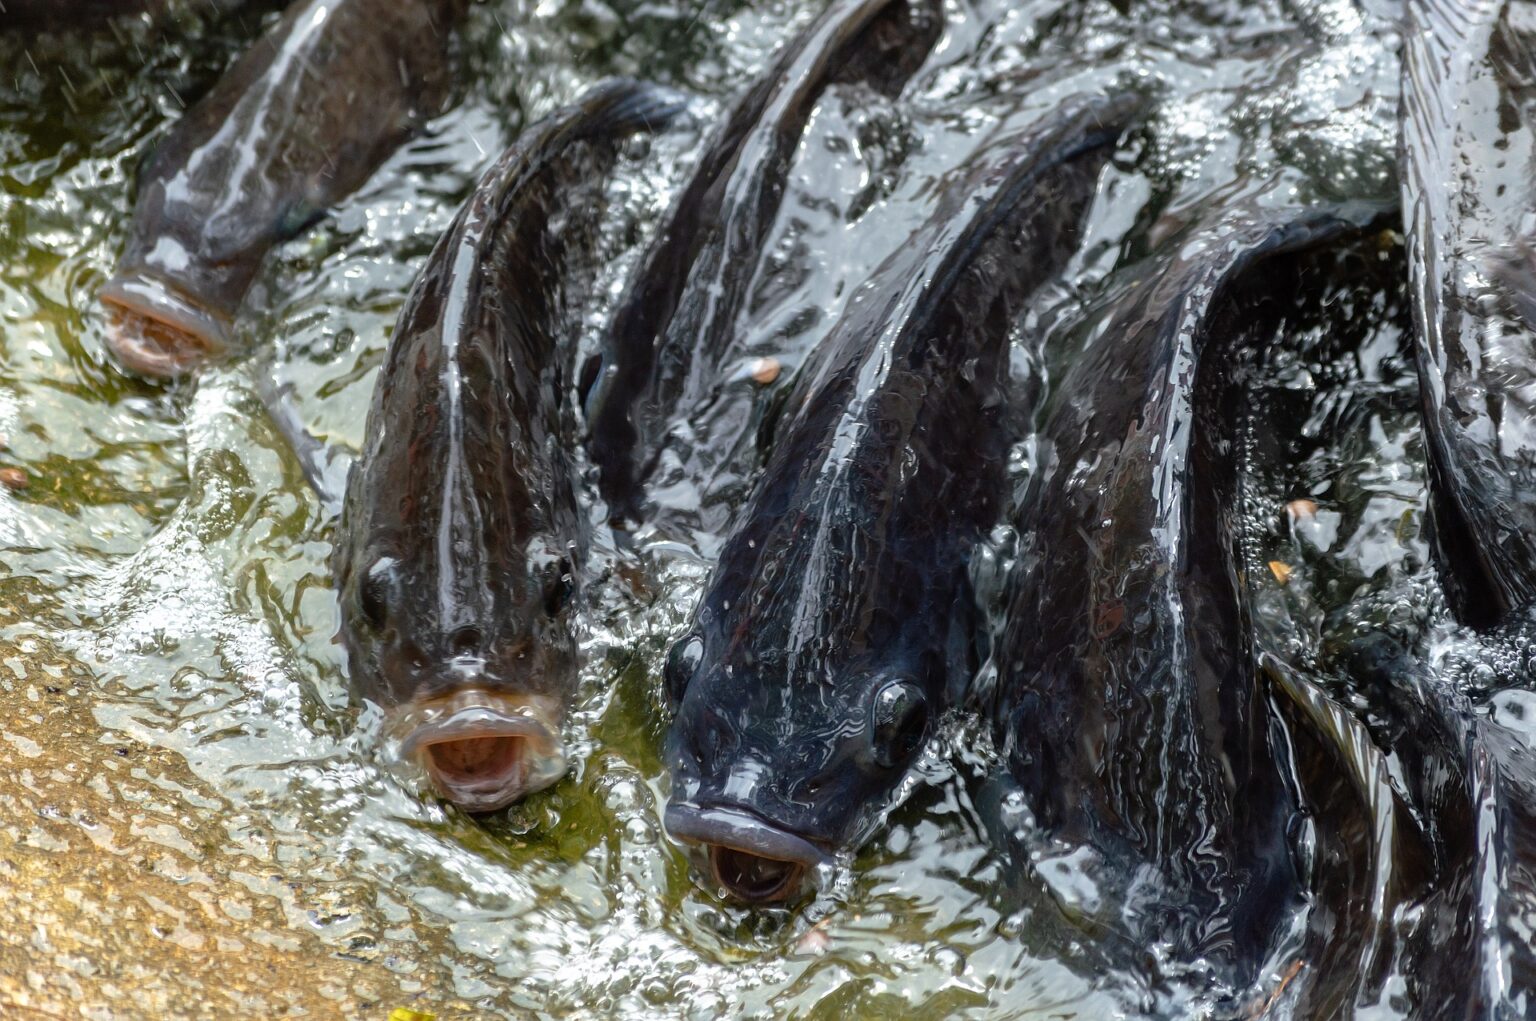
{"x": 474, "y": 684}
{"x": 777, "y": 767}
{"x": 457, "y": 561}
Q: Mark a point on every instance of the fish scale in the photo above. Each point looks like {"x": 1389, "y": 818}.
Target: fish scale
{"x": 277, "y": 141}
{"x": 461, "y": 543}
{"x": 1140, "y": 734}
{"x": 825, "y": 635}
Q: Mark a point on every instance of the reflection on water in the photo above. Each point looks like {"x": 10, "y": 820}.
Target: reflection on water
{"x": 195, "y": 821}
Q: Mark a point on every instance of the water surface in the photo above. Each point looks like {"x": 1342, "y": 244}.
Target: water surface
{"x": 196, "y": 819}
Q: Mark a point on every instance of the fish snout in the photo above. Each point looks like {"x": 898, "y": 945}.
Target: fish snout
{"x": 483, "y": 750}
{"x": 752, "y": 859}
{"x": 154, "y": 330}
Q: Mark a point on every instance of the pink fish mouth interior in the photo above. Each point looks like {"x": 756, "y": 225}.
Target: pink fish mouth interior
{"x": 154, "y": 330}
{"x": 482, "y": 750}
{"x": 472, "y": 761}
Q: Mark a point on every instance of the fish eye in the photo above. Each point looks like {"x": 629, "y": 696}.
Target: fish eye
{"x": 559, "y": 587}
{"x": 682, "y": 663}
{"x": 374, "y": 592}
{"x": 898, "y": 722}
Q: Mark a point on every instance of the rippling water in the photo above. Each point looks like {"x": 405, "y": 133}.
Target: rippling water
{"x": 195, "y": 816}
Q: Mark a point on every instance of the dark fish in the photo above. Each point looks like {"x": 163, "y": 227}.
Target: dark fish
{"x": 31, "y": 13}
{"x": 299, "y": 121}
{"x": 1468, "y": 124}
{"x": 1393, "y": 846}
{"x": 1128, "y": 704}
{"x": 838, "y": 620}
{"x": 1491, "y": 838}
{"x": 1472, "y": 784}
{"x": 460, "y": 543}
{"x": 73, "y": 14}
{"x": 1360, "y": 849}
{"x": 679, "y": 317}
{"x": 1468, "y": 141}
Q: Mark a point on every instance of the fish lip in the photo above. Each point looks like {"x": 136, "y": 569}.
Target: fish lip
{"x": 539, "y": 760}
{"x": 741, "y": 830}
{"x": 155, "y": 329}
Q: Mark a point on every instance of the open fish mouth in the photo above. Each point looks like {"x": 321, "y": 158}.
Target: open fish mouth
{"x": 155, "y": 330}
{"x": 483, "y": 750}
{"x": 754, "y": 860}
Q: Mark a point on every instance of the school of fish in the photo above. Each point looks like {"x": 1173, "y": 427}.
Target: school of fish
{"x": 1152, "y": 720}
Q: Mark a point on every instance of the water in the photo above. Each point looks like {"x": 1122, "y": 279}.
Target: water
{"x": 196, "y": 821}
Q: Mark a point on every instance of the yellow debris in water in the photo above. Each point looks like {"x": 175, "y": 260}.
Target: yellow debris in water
{"x": 766, "y": 370}
{"x": 407, "y": 1014}
{"x": 1301, "y": 510}
{"x": 1281, "y": 571}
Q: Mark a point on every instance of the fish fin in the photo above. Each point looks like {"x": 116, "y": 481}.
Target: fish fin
{"x": 325, "y": 467}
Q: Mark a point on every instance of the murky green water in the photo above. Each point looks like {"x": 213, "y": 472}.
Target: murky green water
{"x": 194, "y": 821}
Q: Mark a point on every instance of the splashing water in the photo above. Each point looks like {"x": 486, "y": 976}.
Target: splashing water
{"x": 196, "y": 818}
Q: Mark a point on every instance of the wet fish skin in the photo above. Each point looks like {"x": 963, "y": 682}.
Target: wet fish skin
{"x": 1468, "y": 112}
{"x": 679, "y": 317}
{"x": 460, "y": 544}
{"x": 33, "y": 13}
{"x": 1127, "y": 703}
{"x": 297, "y": 123}
{"x": 72, "y": 14}
{"x": 1472, "y": 783}
{"x": 836, "y": 625}
{"x": 1394, "y": 849}
{"x": 1361, "y": 854}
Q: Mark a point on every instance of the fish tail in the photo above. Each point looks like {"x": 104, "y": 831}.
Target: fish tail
{"x": 324, "y": 466}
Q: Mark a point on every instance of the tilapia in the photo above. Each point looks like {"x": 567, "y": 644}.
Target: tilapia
{"x": 680, "y": 315}
{"x": 297, "y": 123}
{"x": 1127, "y": 702}
{"x": 1468, "y": 142}
{"x": 460, "y": 546}
{"x": 837, "y": 624}
{"x": 1471, "y": 781}
{"x": 1409, "y": 792}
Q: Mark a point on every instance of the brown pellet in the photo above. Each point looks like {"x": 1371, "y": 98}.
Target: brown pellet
{"x": 1301, "y": 510}
{"x": 766, "y": 370}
